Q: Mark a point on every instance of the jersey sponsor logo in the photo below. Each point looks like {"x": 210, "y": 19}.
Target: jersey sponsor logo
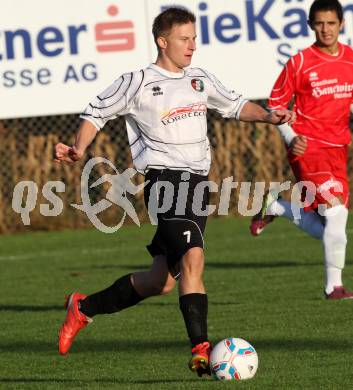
{"x": 323, "y": 82}
{"x": 339, "y": 91}
{"x": 157, "y": 91}
{"x": 184, "y": 112}
{"x": 198, "y": 85}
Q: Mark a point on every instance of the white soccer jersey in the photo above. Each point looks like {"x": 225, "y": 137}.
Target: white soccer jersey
{"x": 165, "y": 115}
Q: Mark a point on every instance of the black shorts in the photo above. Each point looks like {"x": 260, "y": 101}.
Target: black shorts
{"x": 179, "y": 225}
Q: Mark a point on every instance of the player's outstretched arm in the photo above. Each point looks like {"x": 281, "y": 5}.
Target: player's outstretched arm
{"x": 252, "y": 112}
{"x": 84, "y": 137}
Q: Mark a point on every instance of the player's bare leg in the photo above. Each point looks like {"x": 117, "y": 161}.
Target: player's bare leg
{"x": 156, "y": 281}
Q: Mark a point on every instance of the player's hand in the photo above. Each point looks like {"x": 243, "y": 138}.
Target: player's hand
{"x": 279, "y": 117}
{"x": 298, "y": 145}
{"x": 65, "y": 153}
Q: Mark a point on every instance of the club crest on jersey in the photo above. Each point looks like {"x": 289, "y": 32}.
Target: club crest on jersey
{"x": 198, "y": 85}
{"x": 157, "y": 91}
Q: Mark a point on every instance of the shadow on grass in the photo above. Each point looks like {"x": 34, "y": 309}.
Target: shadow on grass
{"x": 60, "y": 308}
{"x": 299, "y": 345}
{"x": 87, "y": 345}
{"x": 32, "y": 308}
{"x": 138, "y": 267}
{"x": 215, "y": 264}
{"x": 176, "y": 303}
{"x": 262, "y": 265}
{"x": 98, "y": 380}
{"x": 132, "y": 267}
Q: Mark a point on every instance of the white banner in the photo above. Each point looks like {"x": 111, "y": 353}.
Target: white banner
{"x": 56, "y": 55}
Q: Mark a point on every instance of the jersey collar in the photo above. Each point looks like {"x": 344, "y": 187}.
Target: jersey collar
{"x": 167, "y": 73}
{"x": 326, "y": 56}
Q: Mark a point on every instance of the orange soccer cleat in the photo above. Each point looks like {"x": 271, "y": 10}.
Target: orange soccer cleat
{"x": 199, "y": 361}
{"x": 74, "y": 322}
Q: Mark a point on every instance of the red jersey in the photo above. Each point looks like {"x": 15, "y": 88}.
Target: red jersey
{"x": 322, "y": 87}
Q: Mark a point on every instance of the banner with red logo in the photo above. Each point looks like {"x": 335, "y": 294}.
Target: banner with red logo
{"x": 56, "y": 55}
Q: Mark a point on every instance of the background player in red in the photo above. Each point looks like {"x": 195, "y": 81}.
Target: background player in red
{"x": 320, "y": 79}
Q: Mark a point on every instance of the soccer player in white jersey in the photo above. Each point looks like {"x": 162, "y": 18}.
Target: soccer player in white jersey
{"x": 165, "y": 108}
{"x": 320, "y": 79}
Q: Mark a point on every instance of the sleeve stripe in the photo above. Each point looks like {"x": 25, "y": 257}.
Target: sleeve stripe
{"x": 121, "y": 97}
{"x": 301, "y": 62}
{"x": 135, "y": 140}
{"x": 138, "y": 88}
{"x": 101, "y": 99}
{"x": 284, "y": 82}
{"x": 280, "y": 97}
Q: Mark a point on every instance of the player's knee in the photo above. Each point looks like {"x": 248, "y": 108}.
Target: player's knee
{"x": 153, "y": 283}
{"x": 193, "y": 262}
{"x": 161, "y": 286}
{"x": 168, "y": 286}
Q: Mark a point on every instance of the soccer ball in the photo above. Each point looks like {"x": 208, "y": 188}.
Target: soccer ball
{"x": 233, "y": 358}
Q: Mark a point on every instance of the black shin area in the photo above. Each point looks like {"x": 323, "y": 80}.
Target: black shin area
{"x": 194, "y": 308}
{"x": 118, "y": 296}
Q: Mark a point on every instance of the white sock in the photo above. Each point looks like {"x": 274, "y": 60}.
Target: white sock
{"x": 333, "y": 278}
{"x": 335, "y": 242}
{"x": 281, "y": 208}
{"x": 309, "y": 221}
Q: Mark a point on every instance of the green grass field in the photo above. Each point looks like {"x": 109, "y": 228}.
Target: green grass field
{"x": 268, "y": 290}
